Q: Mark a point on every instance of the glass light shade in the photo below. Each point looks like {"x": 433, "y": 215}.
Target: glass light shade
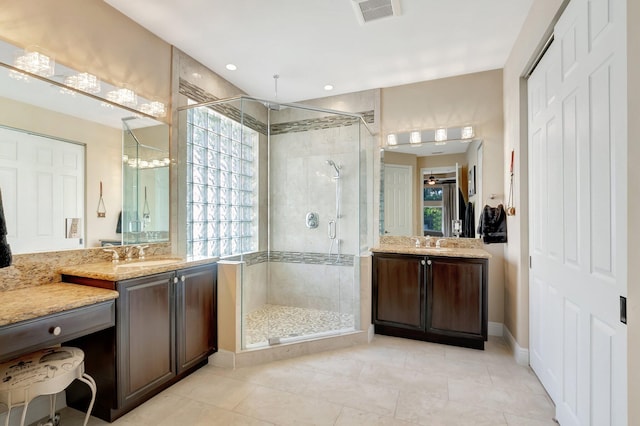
{"x": 441, "y": 135}
{"x": 31, "y": 60}
{"x": 392, "y": 139}
{"x": 123, "y": 96}
{"x": 467, "y": 132}
{"x": 85, "y": 82}
{"x": 155, "y": 109}
{"x": 415, "y": 137}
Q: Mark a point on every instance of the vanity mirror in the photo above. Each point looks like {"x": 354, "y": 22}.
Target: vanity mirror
{"x": 64, "y": 172}
{"x": 419, "y": 175}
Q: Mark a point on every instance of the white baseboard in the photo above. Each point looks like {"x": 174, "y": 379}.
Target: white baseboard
{"x": 519, "y": 353}
{"x": 495, "y": 329}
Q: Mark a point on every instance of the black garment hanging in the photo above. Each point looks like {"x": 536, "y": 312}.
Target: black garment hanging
{"x": 5, "y": 249}
{"x": 469, "y": 225}
{"x": 493, "y": 224}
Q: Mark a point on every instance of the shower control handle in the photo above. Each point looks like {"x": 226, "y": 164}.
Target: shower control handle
{"x": 332, "y": 229}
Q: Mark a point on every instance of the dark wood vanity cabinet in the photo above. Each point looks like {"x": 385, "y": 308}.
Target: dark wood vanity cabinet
{"x": 401, "y": 306}
{"x": 196, "y": 316}
{"x": 145, "y": 350}
{"x": 166, "y": 328}
{"x": 432, "y": 298}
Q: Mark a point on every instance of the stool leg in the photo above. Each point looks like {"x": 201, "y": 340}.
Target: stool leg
{"x": 24, "y": 413}
{"x": 92, "y": 385}
{"x": 6, "y": 420}
{"x": 52, "y": 406}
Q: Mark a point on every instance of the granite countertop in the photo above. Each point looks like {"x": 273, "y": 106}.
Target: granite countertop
{"x": 37, "y": 301}
{"x": 124, "y": 269}
{"x": 477, "y": 253}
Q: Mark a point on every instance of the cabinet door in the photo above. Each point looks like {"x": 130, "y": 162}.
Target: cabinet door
{"x": 399, "y": 291}
{"x": 457, "y": 297}
{"x": 196, "y": 322}
{"x": 146, "y": 345}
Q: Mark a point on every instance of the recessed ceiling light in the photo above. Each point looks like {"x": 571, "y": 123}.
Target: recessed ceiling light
{"x": 196, "y": 75}
{"x": 328, "y": 87}
{"x": 231, "y": 67}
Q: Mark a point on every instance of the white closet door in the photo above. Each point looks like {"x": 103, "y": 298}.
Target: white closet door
{"x": 578, "y": 205}
{"x": 398, "y": 200}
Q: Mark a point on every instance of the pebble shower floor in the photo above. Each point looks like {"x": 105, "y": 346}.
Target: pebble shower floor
{"x": 290, "y": 321}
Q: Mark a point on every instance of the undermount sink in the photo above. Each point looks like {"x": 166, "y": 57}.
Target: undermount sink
{"x": 148, "y": 263}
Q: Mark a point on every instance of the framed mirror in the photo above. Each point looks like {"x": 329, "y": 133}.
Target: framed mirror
{"x": 62, "y": 168}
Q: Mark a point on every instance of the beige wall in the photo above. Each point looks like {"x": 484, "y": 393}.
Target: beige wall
{"x": 633, "y": 182}
{"x": 91, "y": 36}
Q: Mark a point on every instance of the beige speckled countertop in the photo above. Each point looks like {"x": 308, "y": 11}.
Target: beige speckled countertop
{"x": 123, "y": 269}
{"x": 432, "y": 251}
{"x": 33, "y": 302}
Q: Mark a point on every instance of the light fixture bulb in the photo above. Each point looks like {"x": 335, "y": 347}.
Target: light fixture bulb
{"x": 155, "y": 109}
{"x": 231, "y": 67}
{"x": 441, "y": 134}
{"x": 431, "y": 180}
{"x": 123, "y": 96}
{"x": 328, "y": 87}
{"x": 415, "y": 137}
{"x": 31, "y": 60}
{"x": 467, "y": 132}
{"x": 392, "y": 139}
{"x": 84, "y": 82}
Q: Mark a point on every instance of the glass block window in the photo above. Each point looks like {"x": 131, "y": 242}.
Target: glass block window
{"x": 221, "y": 185}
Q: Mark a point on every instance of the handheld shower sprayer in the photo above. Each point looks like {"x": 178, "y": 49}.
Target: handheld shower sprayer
{"x": 335, "y": 166}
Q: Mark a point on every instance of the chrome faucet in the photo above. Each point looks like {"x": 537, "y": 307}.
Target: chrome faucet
{"x": 115, "y": 257}
{"x": 128, "y": 251}
{"x": 141, "y": 251}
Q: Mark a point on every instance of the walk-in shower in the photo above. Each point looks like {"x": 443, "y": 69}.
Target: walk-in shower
{"x": 279, "y": 188}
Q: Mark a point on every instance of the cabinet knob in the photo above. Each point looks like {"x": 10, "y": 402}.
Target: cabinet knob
{"x": 175, "y": 280}
{"x": 429, "y": 262}
{"x": 422, "y": 262}
{"x": 55, "y": 331}
{"x": 182, "y": 278}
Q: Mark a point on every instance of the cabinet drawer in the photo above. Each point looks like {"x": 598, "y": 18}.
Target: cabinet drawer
{"x": 25, "y": 336}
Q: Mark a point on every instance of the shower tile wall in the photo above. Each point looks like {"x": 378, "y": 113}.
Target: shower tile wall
{"x": 323, "y": 287}
{"x": 301, "y": 182}
{"x": 254, "y": 294}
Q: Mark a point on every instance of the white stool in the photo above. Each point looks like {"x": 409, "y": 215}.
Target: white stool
{"x": 44, "y": 372}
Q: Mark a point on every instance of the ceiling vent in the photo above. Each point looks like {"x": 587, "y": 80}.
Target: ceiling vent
{"x": 370, "y": 10}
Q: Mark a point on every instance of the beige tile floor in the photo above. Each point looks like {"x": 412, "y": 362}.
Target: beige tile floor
{"x": 390, "y": 381}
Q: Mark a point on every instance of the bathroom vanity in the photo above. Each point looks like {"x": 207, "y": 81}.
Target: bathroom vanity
{"x": 431, "y": 294}
{"x": 165, "y": 328}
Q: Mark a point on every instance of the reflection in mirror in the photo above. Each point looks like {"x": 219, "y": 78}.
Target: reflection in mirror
{"x": 441, "y": 200}
{"x": 54, "y": 118}
{"x": 420, "y": 210}
{"x": 145, "y": 207}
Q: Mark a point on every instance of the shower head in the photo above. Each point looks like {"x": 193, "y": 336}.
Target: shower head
{"x": 335, "y": 166}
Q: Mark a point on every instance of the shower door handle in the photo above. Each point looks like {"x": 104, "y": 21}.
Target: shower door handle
{"x": 332, "y": 229}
